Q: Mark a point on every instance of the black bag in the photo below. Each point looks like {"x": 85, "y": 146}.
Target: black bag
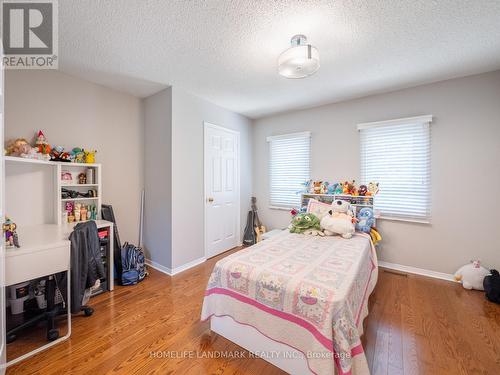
{"x": 491, "y": 285}
{"x": 249, "y": 237}
{"x": 134, "y": 265}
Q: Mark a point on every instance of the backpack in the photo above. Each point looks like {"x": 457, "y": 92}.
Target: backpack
{"x": 133, "y": 262}
{"x": 491, "y": 285}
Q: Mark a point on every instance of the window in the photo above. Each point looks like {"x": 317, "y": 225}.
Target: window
{"x": 289, "y": 156}
{"x": 397, "y": 154}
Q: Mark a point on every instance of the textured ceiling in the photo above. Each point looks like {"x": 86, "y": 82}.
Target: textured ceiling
{"x": 226, "y": 51}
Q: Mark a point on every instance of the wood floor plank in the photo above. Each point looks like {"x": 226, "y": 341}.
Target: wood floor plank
{"x": 416, "y": 326}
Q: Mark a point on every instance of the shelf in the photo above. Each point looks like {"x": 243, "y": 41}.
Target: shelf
{"x": 36, "y": 161}
{"x": 78, "y": 185}
{"x": 78, "y": 199}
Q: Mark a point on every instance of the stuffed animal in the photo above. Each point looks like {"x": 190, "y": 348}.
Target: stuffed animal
{"x": 305, "y": 223}
{"x": 349, "y": 188}
{"x": 339, "y": 188}
{"x": 472, "y": 275}
{"x": 363, "y": 189}
{"x": 89, "y": 156}
{"x": 372, "y": 188}
{"x": 41, "y": 143}
{"x": 332, "y": 188}
{"x": 16, "y": 147}
{"x": 339, "y": 220}
{"x": 366, "y": 219}
{"x": 77, "y": 155}
{"x": 316, "y": 188}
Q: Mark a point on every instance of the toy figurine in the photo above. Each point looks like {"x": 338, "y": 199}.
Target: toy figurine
{"x": 82, "y": 178}
{"x": 349, "y": 188}
{"x": 69, "y": 207}
{"x": 10, "y": 234}
{"x": 83, "y": 213}
{"x": 338, "y": 190}
{"x": 41, "y": 143}
{"x": 89, "y": 156}
{"x": 77, "y": 211}
{"x": 77, "y": 155}
{"x": 363, "y": 189}
{"x": 66, "y": 177}
{"x": 332, "y": 188}
{"x": 372, "y": 188}
{"x": 317, "y": 185}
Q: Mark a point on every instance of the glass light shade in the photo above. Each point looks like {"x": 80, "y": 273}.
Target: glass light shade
{"x": 298, "y": 61}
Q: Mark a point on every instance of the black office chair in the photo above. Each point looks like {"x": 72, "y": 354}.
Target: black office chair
{"x": 51, "y": 312}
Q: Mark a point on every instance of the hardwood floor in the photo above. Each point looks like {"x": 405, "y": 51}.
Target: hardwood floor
{"x": 416, "y": 326}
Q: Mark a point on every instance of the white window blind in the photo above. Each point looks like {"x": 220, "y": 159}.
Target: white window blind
{"x": 289, "y": 157}
{"x": 397, "y": 154}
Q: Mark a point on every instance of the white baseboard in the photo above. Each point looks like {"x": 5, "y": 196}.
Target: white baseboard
{"x": 159, "y": 267}
{"x": 417, "y": 271}
{"x": 176, "y": 270}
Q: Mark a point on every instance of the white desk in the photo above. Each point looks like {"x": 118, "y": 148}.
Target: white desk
{"x": 45, "y": 250}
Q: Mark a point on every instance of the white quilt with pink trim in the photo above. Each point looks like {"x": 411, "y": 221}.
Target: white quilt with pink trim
{"x": 310, "y": 293}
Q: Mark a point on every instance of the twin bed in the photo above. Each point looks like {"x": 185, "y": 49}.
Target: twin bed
{"x": 297, "y": 301}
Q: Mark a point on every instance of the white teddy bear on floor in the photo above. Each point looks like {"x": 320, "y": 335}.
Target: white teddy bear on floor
{"x": 472, "y": 275}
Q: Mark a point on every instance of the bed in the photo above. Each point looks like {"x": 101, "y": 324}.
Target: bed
{"x": 297, "y": 301}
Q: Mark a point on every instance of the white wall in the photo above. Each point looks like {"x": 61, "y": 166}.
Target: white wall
{"x": 188, "y": 114}
{"x": 73, "y": 112}
{"x": 158, "y": 178}
{"x": 465, "y": 166}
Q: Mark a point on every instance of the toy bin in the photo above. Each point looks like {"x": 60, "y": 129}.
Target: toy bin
{"x": 18, "y": 293}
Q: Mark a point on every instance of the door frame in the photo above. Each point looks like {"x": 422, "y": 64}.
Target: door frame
{"x": 206, "y": 126}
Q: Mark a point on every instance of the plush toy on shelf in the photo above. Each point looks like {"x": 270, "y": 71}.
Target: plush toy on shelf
{"x": 41, "y": 143}
{"x": 332, "y": 188}
{"x": 77, "y": 155}
{"x": 304, "y": 223}
{"x": 316, "y": 187}
{"x": 89, "y": 156}
{"x": 339, "y": 220}
{"x": 472, "y": 275}
{"x": 349, "y": 188}
{"x": 362, "y": 190}
{"x": 372, "y": 189}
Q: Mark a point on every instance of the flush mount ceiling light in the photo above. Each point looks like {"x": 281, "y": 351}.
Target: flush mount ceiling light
{"x": 300, "y": 60}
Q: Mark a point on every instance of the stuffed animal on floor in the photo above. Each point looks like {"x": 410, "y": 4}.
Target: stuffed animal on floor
{"x": 472, "y": 275}
{"x": 339, "y": 220}
{"x": 366, "y": 219}
{"x": 491, "y": 285}
{"x": 306, "y": 223}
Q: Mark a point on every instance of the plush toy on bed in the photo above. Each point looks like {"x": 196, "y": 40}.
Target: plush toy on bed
{"x": 339, "y": 220}
{"x": 306, "y": 223}
{"x": 365, "y": 220}
{"x": 472, "y": 275}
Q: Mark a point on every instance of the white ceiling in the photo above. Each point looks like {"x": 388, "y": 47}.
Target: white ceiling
{"x": 226, "y": 50}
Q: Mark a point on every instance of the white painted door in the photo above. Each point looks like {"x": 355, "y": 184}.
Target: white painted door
{"x": 222, "y": 190}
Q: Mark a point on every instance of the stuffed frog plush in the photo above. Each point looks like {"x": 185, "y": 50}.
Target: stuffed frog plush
{"x": 306, "y": 223}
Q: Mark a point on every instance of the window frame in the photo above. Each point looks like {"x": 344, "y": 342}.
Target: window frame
{"x": 270, "y": 139}
{"x": 424, "y": 120}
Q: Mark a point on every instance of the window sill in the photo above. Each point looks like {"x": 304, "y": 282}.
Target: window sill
{"x": 408, "y": 220}
{"x": 280, "y": 208}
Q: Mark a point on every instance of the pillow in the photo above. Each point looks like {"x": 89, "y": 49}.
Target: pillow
{"x": 319, "y": 209}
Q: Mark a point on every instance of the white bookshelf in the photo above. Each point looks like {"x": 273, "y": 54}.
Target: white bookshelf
{"x": 74, "y": 169}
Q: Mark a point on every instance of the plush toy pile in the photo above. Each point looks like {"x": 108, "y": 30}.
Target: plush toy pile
{"x": 41, "y": 150}
{"x": 337, "y": 188}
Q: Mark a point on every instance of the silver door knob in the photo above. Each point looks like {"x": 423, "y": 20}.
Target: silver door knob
{"x": 210, "y": 200}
